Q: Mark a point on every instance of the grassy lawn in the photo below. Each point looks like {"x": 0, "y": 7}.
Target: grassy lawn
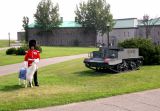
{"x": 5, "y": 43}
{"x": 71, "y": 81}
{"x": 47, "y": 53}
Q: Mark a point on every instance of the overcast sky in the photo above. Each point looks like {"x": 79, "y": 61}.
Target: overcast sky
{"x": 12, "y": 12}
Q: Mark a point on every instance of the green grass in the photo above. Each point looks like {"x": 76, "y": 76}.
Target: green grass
{"x": 64, "y": 51}
{"x": 5, "y": 43}
{"x": 48, "y": 52}
{"x": 71, "y": 81}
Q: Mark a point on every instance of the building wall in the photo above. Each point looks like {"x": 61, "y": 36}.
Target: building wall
{"x": 155, "y": 34}
{"x": 117, "y": 35}
{"x": 21, "y": 36}
{"x": 76, "y": 36}
{"x": 64, "y": 37}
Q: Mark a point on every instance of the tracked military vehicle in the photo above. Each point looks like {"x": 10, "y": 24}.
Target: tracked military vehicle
{"x": 114, "y": 59}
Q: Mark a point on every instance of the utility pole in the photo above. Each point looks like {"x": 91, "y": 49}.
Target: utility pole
{"x": 9, "y": 39}
{"x": 108, "y": 35}
{"x": 108, "y": 38}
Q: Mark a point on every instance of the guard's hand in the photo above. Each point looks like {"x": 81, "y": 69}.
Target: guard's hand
{"x": 36, "y": 60}
{"x": 25, "y": 64}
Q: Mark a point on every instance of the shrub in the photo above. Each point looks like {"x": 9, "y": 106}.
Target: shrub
{"x": 150, "y": 52}
{"x": 11, "y": 51}
{"x": 21, "y": 50}
{"x": 156, "y": 58}
{"x": 39, "y": 48}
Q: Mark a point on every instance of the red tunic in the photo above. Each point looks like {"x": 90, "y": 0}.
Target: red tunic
{"x": 31, "y": 55}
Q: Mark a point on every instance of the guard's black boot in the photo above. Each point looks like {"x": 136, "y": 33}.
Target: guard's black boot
{"x": 35, "y": 79}
{"x": 37, "y": 85}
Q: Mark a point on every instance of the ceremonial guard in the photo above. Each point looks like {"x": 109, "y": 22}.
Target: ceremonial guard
{"x": 32, "y": 55}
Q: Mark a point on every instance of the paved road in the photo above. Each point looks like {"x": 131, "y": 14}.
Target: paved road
{"x": 8, "y": 47}
{"x": 141, "y": 101}
{"x": 8, "y": 69}
{"x": 4, "y": 48}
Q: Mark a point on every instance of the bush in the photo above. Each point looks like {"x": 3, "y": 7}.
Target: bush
{"x": 21, "y": 50}
{"x": 11, "y": 51}
{"x": 150, "y": 52}
{"x": 156, "y": 58}
{"x": 39, "y": 48}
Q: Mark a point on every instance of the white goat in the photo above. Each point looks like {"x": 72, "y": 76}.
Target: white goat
{"x": 30, "y": 72}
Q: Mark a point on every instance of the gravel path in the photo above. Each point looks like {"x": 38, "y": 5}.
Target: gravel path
{"x": 8, "y": 69}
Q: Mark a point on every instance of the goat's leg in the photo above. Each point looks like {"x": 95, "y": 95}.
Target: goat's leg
{"x": 31, "y": 83}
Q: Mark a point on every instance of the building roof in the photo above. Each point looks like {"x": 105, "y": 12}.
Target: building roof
{"x": 32, "y": 25}
{"x": 64, "y": 24}
{"x": 70, "y": 24}
{"x": 126, "y": 23}
{"x": 119, "y": 23}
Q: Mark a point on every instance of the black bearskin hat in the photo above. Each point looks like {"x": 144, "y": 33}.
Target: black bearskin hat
{"x": 32, "y": 43}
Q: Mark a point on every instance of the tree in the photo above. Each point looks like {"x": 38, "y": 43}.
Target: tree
{"x": 25, "y": 26}
{"x": 95, "y": 15}
{"x": 149, "y": 24}
{"x": 47, "y": 16}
